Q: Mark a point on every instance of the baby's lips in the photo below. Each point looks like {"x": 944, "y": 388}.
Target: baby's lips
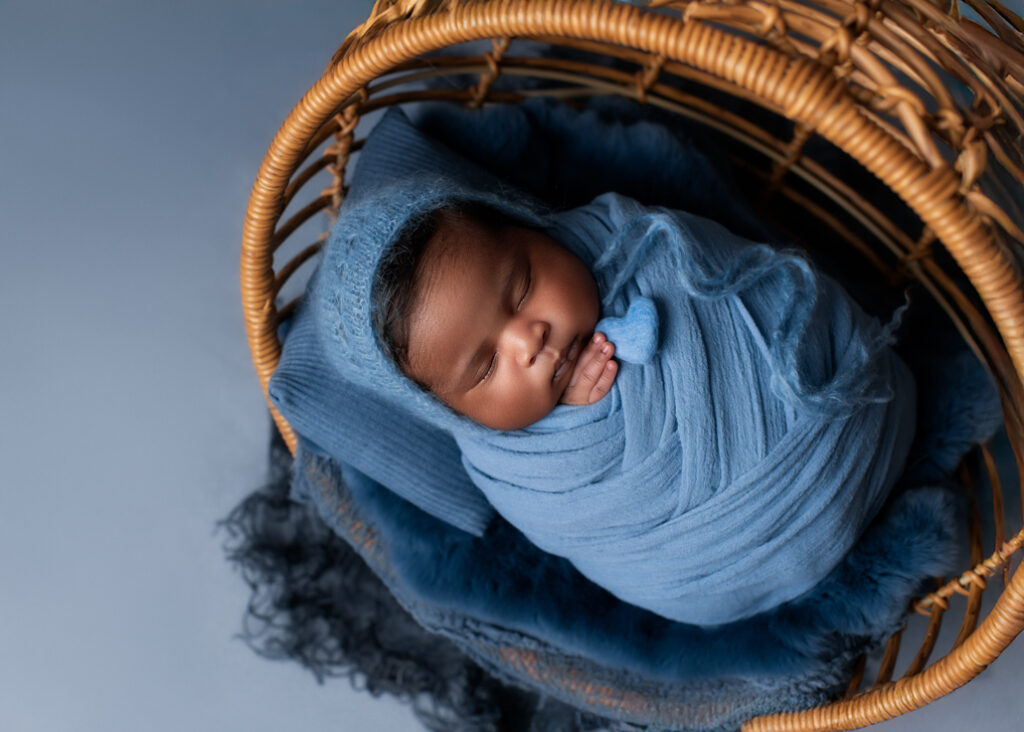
{"x": 566, "y": 362}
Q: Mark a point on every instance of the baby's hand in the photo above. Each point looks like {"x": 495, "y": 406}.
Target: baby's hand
{"x": 594, "y": 373}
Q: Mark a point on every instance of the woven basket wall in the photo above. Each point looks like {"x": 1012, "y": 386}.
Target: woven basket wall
{"x": 927, "y": 96}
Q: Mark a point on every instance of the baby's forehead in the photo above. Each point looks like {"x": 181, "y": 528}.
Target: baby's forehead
{"x": 457, "y": 238}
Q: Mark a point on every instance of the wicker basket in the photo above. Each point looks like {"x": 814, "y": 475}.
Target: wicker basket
{"x": 928, "y": 100}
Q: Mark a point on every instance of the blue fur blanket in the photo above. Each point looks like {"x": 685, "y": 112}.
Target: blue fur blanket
{"x": 382, "y": 473}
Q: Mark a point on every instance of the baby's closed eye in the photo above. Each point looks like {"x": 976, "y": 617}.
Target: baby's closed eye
{"x": 526, "y": 282}
{"x": 488, "y": 369}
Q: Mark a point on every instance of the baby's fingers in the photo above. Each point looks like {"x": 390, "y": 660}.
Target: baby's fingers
{"x": 591, "y": 362}
{"x": 604, "y": 381}
{"x": 594, "y": 373}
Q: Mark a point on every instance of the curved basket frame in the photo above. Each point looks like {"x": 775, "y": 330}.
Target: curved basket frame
{"x": 780, "y": 77}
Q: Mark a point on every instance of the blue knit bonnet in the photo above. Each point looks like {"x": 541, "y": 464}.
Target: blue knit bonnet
{"x": 378, "y": 210}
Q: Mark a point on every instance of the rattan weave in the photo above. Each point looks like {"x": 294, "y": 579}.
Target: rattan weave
{"x": 923, "y": 96}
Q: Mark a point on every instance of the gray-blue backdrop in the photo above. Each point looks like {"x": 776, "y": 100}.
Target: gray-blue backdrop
{"x": 132, "y": 420}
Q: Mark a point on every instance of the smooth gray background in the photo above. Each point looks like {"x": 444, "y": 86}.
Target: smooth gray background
{"x": 133, "y": 419}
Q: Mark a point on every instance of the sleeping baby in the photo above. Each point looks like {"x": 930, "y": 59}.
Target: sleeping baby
{"x": 495, "y": 319}
{"x": 702, "y": 425}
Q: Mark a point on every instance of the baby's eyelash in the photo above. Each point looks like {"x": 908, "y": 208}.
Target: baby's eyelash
{"x": 490, "y": 369}
{"x": 526, "y": 290}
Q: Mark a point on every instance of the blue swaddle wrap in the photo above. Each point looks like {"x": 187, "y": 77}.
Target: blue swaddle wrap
{"x": 732, "y": 469}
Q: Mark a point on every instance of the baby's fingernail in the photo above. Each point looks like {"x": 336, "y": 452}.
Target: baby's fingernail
{"x": 606, "y": 349}
{"x": 597, "y": 338}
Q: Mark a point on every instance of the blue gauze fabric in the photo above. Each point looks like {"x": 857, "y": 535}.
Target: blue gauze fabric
{"x": 728, "y": 474}
{"x": 731, "y": 471}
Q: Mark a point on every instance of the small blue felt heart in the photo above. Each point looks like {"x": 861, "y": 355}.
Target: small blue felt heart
{"x": 635, "y": 334}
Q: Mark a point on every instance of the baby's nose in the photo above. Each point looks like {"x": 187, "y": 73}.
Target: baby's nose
{"x": 530, "y": 337}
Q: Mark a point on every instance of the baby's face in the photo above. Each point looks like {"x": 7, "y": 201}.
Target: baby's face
{"x": 500, "y": 318}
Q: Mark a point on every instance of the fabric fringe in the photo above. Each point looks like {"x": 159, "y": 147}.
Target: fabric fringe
{"x": 313, "y": 600}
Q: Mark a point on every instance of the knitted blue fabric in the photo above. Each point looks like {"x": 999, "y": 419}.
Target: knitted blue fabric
{"x": 355, "y": 406}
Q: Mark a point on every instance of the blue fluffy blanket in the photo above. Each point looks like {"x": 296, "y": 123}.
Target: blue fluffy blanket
{"x": 380, "y": 471}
